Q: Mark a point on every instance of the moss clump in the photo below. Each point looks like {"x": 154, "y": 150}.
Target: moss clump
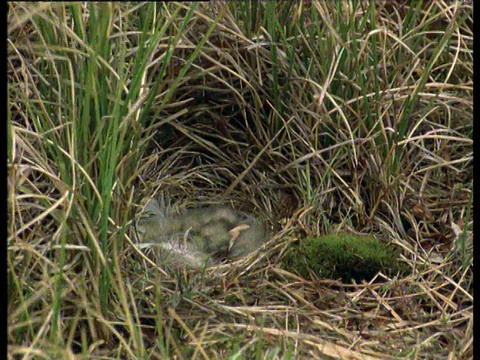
{"x": 344, "y": 256}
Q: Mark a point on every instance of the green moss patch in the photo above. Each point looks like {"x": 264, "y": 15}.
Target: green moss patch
{"x": 344, "y": 256}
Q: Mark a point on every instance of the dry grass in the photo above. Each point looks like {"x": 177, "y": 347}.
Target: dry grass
{"x": 321, "y": 116}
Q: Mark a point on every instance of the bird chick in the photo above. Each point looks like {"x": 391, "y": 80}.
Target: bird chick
{"x": 249, "y": 239}
{"x": 196, "y": 237}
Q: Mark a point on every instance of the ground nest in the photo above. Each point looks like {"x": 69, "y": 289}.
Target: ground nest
{"x": 330, "y": 121}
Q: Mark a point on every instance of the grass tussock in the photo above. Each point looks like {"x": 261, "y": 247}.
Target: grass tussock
{"x": 324, "y": 117}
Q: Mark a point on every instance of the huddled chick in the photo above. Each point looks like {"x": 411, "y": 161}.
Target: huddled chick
{"x": 200, "y": 237}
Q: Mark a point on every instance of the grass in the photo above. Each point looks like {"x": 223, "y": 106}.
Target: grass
{"x": 324, "y": 117}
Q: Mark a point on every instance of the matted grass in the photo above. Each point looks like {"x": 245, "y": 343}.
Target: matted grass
{"x": 324, "y": 117}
